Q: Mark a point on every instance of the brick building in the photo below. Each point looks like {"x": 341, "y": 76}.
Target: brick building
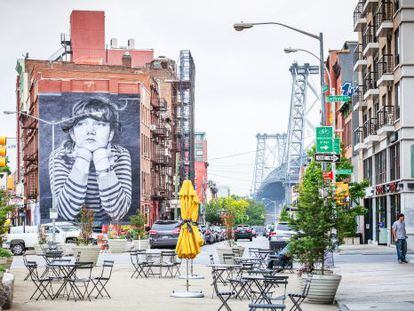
{"x": 201, "y": 165}
{"x": 85, "y": 65}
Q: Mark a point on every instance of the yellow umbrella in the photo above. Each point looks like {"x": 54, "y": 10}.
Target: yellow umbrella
{"x": 190, "y": 240}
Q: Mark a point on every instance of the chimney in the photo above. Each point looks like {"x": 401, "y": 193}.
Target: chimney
{"x": 126, "y": 60}
{"x": 131, "y": 44}
{"x": 114, "y": 43}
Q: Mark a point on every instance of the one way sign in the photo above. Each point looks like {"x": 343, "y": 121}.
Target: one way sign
{"x": 323, "y": 157}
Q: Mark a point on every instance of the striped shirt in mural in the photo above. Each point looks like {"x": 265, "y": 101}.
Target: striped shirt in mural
{"x": 108, "y": 194}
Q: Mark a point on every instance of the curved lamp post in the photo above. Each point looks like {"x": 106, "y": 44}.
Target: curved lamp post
{"x": 242, "y": 26}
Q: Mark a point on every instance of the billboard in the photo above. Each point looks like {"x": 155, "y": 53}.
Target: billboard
{"x": 96, "y": 160}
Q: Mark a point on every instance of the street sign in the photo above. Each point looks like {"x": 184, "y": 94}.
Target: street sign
{"x": 347, "y": 171}
{"x": 324, "y": 139}
{"x": 337, "y": 98}
{"x": 323, "y": 157}
{"x": 53, "y": 213}
{"x": 325, "y": 89}
{"x": 327, "y": 175}
{"x": 337, "y": 145}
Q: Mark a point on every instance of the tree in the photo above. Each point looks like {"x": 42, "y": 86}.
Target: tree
{"x": 255, "y": 213}
{"x": 284, "y": 215}
{"x": 137, "y": 222}
{"x": 318, "y": 217}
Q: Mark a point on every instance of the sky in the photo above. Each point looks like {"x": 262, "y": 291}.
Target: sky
{"x": 242, "y": 78}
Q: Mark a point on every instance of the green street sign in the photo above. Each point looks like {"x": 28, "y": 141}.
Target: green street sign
{"x": 337, "y": 145}
{"x": 324, "y": 139}
{"x": 347, "y": 171}
{"x": 325, "y": 88}
{"x": 323, "y": 132}
{"x": 324, "y": 145}
{"x": 337, "y": 98}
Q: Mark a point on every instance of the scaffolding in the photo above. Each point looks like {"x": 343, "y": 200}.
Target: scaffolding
{"x": 185, "y": 116}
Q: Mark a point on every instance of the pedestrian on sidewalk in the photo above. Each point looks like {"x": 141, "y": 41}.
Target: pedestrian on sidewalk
{"x": 400, "y": 237}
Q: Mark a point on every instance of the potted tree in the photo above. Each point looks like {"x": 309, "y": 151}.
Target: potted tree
{"x": 86, "y": 250}
{"x": 137, "y": 231}
{"x": 6, "y": 259}
{"x": 322, "y": 213}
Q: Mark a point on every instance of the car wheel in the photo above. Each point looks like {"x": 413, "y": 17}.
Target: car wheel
{"x": 251, "y": 239}
{"x": 17, "y": 249}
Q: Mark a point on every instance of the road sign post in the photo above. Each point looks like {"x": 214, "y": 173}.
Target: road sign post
{"x": 343, "y": 171}
{"x": 337, "y": 98}
{"x": 324, "y": 157}
{"x": 324, "y": 139}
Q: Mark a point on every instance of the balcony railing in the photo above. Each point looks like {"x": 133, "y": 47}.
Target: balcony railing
{"x": 358, "y": 12}
{"x": 370, "y": 81}
{"x": 358, "y": 96}
{"x": 160, "y": 131}
{"x": 370, "y": 127}
{"x": 386, "y": 116}
{"x": 368, "y": 36}
{"x": 386, "y": 65}
{"x": 358, "y": 54}
{"x": 384, "y": 13}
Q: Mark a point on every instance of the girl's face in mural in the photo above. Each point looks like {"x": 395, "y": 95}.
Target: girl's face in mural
{"x": 92, "y": 134}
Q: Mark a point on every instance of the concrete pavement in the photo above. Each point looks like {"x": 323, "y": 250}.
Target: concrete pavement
{"x": 147, "y": 294}
{"x": 373, "y": 280}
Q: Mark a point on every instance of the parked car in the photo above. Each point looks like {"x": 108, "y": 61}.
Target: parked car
{"x": 22, "y": 238}
{"x": 268, "y": 229}
{"x": 207, "y": 234}
{"x": 164, "y": 233}
{"x": 243, "y": 232}
{"x": 281, "y": 232}
{"x": 218, "y": 233}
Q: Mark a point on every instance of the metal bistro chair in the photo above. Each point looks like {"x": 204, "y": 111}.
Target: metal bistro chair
{"x": 298, "y": 298}
{"x": 138, "y": 263}
{"x": 169, "y": 261}
{"x": 43, "y": 284}
{"x": 212, "y": 261}
{"x": 223, "y": 295}
{"x": 81, "y": 277}
{"x": 100, "y": 282}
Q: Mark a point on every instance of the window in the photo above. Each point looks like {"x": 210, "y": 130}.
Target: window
{"x": 395, "y": 162}
{"x": 368, "y": 170}
{"x": 397, "y": 100}
{"x": 397, "y": 46}
{"x": 380, "y": 167}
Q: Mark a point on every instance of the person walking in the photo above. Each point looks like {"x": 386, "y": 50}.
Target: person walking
{"x": 400, "y": 237}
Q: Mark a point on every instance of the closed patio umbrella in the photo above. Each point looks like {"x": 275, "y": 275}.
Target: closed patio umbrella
{"x": 190, "y": 240}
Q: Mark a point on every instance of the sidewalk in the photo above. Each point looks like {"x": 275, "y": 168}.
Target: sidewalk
{"x": 375, "y": 285}
{"x": 142, "y": 294}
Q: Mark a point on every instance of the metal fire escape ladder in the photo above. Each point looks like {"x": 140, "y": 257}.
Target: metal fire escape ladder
{"x": 295, "y": 148}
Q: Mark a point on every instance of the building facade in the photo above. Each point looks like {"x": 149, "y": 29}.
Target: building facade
{"x": 384, "y": 140}
{"x": 201, "y": 165}
{"x": 85, "y": 65}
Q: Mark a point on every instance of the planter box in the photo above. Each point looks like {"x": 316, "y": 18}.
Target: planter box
{"x": 323, "y": 288}
{"x": 6, "y": 262}
{"x": 7, "y": 291}
{"x": 88, "y": 253}
{"x": 117, "y": 245}
{"x": 228, "y": 250}
{"x": 140, "y": 244}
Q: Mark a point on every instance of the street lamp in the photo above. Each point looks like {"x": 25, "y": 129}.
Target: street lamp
{"x": 331, "y": 91}
{"x": 242, "y": 26}
{"x": 53, "y": 123}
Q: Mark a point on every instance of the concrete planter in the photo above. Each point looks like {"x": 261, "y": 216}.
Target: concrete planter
{"x": 117, "y": 245}
{"x": 140, "y": 244}
{"x": 6, "y": 262}
{"x": 7, "y": 291}
{"x": 228, "y": 250}
{"x": 323, "y": 288}
{"x": 88, "y": 253}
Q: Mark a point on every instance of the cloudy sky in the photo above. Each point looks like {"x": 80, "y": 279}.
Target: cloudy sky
{"x": 242, "y": 81}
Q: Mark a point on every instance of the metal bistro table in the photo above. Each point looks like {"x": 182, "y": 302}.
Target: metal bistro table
{"x": 67, "y": 270}
{"x": 264, "y": 286}
{"x": 222, "y": 268}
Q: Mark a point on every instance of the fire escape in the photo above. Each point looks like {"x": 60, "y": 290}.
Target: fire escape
{"x": 161, "y": 158}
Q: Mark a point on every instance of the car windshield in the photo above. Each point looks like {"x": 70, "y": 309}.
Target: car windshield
{"x": 69, "y": 228}
{"x": 283, "y": 227}
{"x": 165, "y": 226}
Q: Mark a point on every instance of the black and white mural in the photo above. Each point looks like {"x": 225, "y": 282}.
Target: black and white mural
{"x": 95, "y": 162}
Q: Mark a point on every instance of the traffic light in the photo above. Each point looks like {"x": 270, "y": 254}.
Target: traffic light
{"x": 3, "y": 151}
